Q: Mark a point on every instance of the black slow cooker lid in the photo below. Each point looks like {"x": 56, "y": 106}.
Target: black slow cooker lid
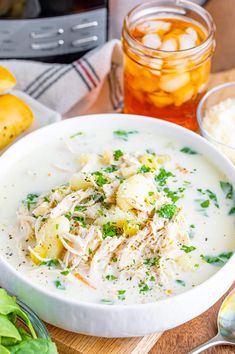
{"x": 23, "y": 9}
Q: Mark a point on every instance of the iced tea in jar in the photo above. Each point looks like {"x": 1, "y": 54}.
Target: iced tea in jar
{"x": 168, "y": 47}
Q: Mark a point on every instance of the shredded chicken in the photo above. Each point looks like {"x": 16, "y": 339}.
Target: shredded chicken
{"x": 112, "y": 215}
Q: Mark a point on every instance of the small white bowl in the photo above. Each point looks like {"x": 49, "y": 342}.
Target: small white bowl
{"x": 211, "y": 98}
{"x": 116, "y": 320}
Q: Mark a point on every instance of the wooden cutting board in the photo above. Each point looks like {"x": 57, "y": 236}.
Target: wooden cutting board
{"x": 71, "y": 343}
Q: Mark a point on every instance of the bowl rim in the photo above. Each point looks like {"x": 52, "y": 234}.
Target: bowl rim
{"x": 116, "y": 307}
{"x": 209, "y": 93}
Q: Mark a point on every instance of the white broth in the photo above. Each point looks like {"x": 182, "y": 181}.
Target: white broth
{"x": 207, "y": 208}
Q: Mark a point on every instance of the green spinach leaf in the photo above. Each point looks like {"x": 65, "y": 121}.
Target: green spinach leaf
{"x": 8, "y": 329}
{"x": 8, "y": 305}
{"x": 4, "y": 350}
{"x": 34, "y": 346}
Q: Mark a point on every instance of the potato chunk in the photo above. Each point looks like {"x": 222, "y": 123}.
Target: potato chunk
{"x": 15, "y": 117}
{"x": 49, "y": 244}
{"x": 133, "y": 192}
{"x": 80, "y": 180}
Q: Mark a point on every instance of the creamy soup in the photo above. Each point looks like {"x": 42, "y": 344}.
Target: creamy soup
{"x": 122, "y": 217}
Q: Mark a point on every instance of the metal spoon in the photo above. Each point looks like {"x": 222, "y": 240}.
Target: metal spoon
{"x": 225, "y": 323}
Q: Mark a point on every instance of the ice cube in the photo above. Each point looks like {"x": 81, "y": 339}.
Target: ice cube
{"x": 191, "y": 31}
{"x": 171, "y": 83}
{"x": 155, "y": 64}
{"x": 184, "y": 94}
{"x": 202, "y": 88}
{"x": 160, "y": 99}
{"x": 154, "y": 26}
{"x": 186, "y": 41}
{"x": 152, "y": 40}
{"x": 169, "y": 45}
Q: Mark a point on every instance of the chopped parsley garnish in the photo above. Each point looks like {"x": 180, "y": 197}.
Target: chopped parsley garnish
{"x": 120, "y": 179}
{"x": 114, "y": 259}
{"x": 231, "y": 211}
{"x": 31, "y": 199}
{"x": 97, "y": 197}
{"x": 205, "y": 203}
{"x": 76, "y": 134}
{"x": 65, "y": 272}
{"x": 80, "y": 208}
{"x": 100, "y": 179}
{"x": 51, "y": 263}
{"x": 151, "y": 152}
{"x": 143, "y": 287}
{"x": 121, "y": 294}
{"x": 57, "y": 226}
{"x": 58, "y": 285}
{"x": 152, "y": 261}
{"x": 111, "y": 169}
{"x": 163, "y": 176}
{"x": 187, "y": 249}
{"x": 144, "y": 169}
{"x": 212, "y": 196}
{"x": 188, "y": 151}
{"x": 90, "y": 252}
{"x": 106, "y": 301}
{"x": 124, "y": 134}
{"x": 68, "y": 216}
{"x": 46, "y": 199}
{"x": 167, "y": 211}
{"x": 117, "y": 154}
{"x": 227, "y": 188}
{"x": 191, "y": 232}
{"x": 150, "y": 194}
{"x": 221, "y": 259}
{"x": 111, "y": 277}
{"x": 180, "y": 282}
{"x": 109, "y": 230}
{"x": 80, "y": 219}
{"x": 173, "y": 195}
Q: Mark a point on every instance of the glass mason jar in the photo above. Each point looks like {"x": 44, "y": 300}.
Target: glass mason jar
{"x": 168, "y": 47}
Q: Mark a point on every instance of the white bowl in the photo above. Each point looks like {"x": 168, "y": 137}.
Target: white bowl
{"x": 117, "y": 320}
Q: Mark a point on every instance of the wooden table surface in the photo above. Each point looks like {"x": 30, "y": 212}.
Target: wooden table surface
{"x": 184, "y": 338}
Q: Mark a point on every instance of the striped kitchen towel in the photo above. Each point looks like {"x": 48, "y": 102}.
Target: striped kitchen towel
{"x": 92, "y": 84}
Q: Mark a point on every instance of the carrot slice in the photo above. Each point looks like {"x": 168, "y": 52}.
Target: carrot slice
{"x": 181, "y": 169}
{"x": 81, "y": 278}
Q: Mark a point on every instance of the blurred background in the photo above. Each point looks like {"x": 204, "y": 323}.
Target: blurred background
{"x": 63, "y": 30}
